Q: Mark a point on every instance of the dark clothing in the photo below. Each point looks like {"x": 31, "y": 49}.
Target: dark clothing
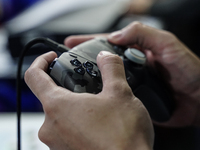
{"x": 181, "y": 17}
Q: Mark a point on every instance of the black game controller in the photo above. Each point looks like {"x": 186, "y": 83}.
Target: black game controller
{"x": 77, "y": 71}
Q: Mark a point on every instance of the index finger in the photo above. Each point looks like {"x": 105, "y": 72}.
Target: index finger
{"x": 36, "y": 77}
{"x": 144, "y": 36}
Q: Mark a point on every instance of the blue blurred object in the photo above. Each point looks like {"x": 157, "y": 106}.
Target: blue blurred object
{"x": 8, "y": 97}
{"x": 10, "y": 8}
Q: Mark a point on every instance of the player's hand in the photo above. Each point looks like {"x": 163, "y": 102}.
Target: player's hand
{"x": 111, "y": 120}
{"x": 178, "y": 66}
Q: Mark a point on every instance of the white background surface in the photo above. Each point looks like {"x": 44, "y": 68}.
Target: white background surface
{"x": 30, "y": 126}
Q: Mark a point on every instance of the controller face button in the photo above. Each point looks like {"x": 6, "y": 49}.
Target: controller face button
{"x": 80, "y": 70}
{"x": 75, "y": 62}
{"x": 88, "y": 65}
{"x": 92, "y": 72}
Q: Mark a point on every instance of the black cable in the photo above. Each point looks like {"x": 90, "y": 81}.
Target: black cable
{"x": 56, "y": 47}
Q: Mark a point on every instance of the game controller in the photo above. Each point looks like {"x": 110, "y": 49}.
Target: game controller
{"x": 77, "y": 71}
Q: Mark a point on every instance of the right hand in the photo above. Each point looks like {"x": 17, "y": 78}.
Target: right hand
{"x": 178, "y": 66}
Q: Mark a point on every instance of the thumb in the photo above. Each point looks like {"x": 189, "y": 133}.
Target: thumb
{"x": 112, "y": 71}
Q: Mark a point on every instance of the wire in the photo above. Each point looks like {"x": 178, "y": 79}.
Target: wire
{"x": 52, "y": 44}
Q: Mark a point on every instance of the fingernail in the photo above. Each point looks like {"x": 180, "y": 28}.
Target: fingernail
{"x": 115, "y": 35}
{"x": 104, "y": 53}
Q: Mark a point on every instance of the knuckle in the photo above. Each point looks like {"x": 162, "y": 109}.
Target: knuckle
{"x": 170, "y": 38}
{"x": 50, "y": 106}
{"x": 169, "y": 35}
{"x": 54, "y": 101}
{"x": 125, "y": 89}
{"x": 44, "y": 135}
{"x": 136, "y": 26}
{"x": 29, "y": 74}
{"x": 121, "y": 89}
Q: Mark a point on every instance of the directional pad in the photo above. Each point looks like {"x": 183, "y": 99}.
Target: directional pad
{"x": 88, "y": 65}
{"x": 80, "y": 70}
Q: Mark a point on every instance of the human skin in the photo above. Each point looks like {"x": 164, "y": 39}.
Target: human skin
{"x": 171, "y": 59}
{"x": 114, "y": 119}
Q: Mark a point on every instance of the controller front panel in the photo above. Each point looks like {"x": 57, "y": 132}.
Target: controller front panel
{"x": 76, "y": 74}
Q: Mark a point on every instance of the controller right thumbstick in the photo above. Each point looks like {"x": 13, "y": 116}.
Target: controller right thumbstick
{"x": 135, "y": 56}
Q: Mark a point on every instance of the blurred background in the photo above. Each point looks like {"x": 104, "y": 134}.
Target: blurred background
{"x": 24, "y": 20}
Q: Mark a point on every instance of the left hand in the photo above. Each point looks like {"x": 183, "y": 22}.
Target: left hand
{"x": 111, "y": 120}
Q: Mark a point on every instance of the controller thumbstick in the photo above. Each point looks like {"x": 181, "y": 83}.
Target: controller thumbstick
{"x": 135, "y": 56}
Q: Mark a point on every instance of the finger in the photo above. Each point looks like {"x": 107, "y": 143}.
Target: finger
{"x": 113, "y": 74}
{"x": 74, "y": 40}
{"x": 36, "y": 77}
{"x": 144, "y": 36}
{"x": 43, "y": 61}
